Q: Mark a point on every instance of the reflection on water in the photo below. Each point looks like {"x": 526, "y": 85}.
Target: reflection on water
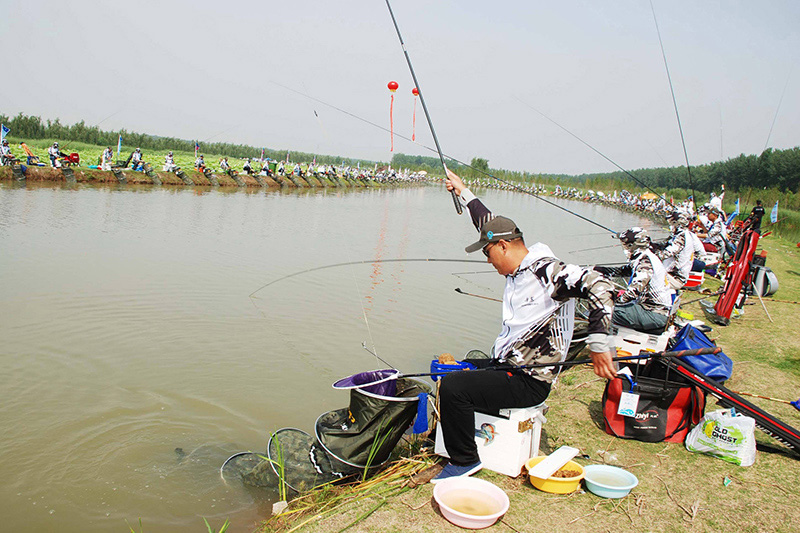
{"x": 128, "y": 332}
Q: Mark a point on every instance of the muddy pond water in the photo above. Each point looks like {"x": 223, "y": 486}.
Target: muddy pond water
{"x": 134, "y": 362}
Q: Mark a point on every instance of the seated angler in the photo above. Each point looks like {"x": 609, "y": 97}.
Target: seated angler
{"x": 105, "y": 159}
{"x": 678, "y": 256}
{"x": 54, "y": 154}
{"x": 169, "y": 163}
{"x": 137, "y": 159}
{"x": 5, "y": 153}
{"x": 247, "y": 167}
{"x": 646, "y": 303}
{"x": 539, "y": 289}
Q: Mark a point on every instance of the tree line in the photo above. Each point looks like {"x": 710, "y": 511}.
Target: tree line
{"x": 33, "y": 127}
{"x": 773, "y": 169}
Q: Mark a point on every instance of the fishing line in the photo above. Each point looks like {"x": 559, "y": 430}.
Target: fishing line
{"x": 218, "y": 134}
{"x": 363, "y": 310}
{"x": 451, "y": 158}
{"x": 675, "y": 104}
{"x": 475, "y": 283}
{"x": 598, "y": 152}
{"x": 365, "y": 262}
{"x": 381, "y": 359}
{"x": 456, "y": 201}
{"x": 595, "y": 248}
{"x": 779, "y": 108}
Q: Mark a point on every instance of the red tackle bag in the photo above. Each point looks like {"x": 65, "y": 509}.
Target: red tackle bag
{"x": 666, "y": 410}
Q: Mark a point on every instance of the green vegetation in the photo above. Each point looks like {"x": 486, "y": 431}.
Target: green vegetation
{"x": 27, "y": 128}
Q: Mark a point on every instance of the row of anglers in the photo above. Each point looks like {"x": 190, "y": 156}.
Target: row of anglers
{"x": 720, "y": 231}
{"x": 717, "y": 231}
{"x": 250, "y": 166}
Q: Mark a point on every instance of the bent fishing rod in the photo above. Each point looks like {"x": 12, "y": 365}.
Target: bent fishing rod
{"x": 456, "y": 201}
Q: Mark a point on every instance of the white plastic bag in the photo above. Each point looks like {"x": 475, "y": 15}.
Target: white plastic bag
{"x": 725, "y": 434}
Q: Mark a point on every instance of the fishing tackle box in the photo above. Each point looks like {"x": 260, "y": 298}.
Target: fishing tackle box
{"x": 634, "y": 342}
{"x": 506, "y": 441}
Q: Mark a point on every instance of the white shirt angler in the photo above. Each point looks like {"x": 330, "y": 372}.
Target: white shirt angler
{"x": 697, "y": 244}
{"x": 685, "y": 257}
{"x": 526, "y": 302}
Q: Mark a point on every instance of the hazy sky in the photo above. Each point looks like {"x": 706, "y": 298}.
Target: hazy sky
{"x": 203, "y": 70}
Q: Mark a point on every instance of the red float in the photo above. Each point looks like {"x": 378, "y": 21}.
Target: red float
{"x": 415, "y": 92}
{"x": 393, "y": 86}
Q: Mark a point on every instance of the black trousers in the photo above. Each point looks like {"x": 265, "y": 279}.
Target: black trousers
{"x": 461, "y": 393}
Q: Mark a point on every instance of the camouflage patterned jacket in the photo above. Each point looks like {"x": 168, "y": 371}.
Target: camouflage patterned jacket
{"x": 538, "y": 305}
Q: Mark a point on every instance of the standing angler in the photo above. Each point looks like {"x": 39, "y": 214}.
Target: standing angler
{"x": 539, "y": 289}
{"x": 755, "y": 217}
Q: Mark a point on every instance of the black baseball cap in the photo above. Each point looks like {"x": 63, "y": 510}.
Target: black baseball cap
{"x": 497, "y": 229}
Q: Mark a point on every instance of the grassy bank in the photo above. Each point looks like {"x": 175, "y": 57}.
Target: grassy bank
{"x": 678, "y": 491}
{"x": 90, "y": 154}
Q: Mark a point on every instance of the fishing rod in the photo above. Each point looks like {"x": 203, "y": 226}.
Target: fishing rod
{"x": 95, "y": 126}
{"x": 367, "y": 262}
{"x": 459, "y": 291}
{"x": 567, "y": 364}
{"x": 702, "y": 298}
{"x": 456, "y": 201}
{"x": 781, "y": 301}
{"x": 451, "y": 158}
{"x": 601, "y": 154}
{"x": 675, "y": 104}
{"x": 795, "y": 404}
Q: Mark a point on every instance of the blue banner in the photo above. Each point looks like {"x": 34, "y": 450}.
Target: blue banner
{"x": 773, "y": 217}
{"x": 4, "y": 130}
{"x": 733, "y": 215}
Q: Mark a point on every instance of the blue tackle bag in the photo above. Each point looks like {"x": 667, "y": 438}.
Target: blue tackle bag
{"x": 717, "y": 366}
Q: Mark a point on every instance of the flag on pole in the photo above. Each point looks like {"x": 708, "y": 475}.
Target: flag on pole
{"x": 196, "y": 148}
{"x": 287, "y": 156}
{"x": 773, "y": 216}
{"x": 734, "y": 214}
{"x": 4, "y": 130}
{"x": 119, "y": 145}
{"x": 262, "y": 154}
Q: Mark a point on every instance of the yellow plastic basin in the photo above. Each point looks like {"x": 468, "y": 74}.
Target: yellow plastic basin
{"x": 556, "y": 485}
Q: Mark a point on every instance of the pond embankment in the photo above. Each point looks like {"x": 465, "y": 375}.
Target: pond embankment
{"x": 78, "y": 174}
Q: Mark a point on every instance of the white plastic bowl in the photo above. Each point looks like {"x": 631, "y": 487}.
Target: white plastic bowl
{"x": 488, "y": 491}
